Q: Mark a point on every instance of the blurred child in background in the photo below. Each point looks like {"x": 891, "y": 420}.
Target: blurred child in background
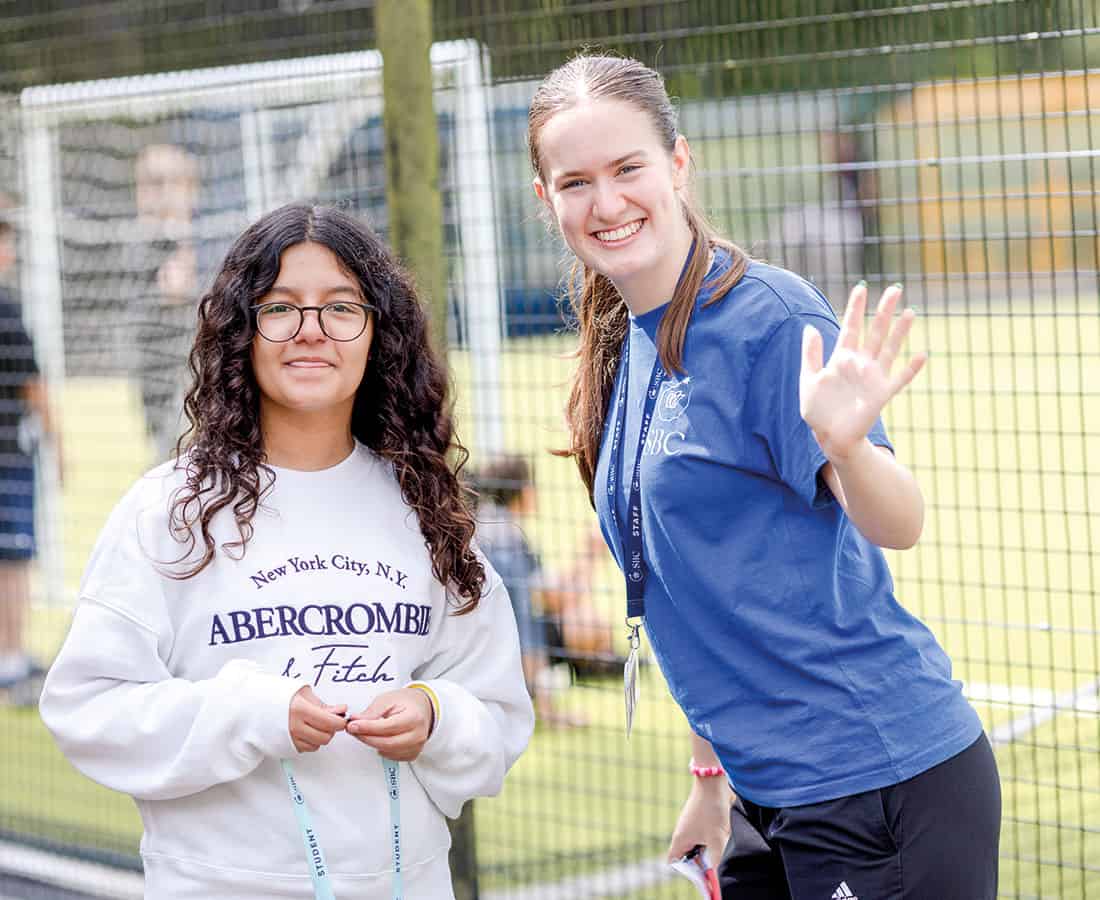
{"x": 554, "y": 614}
{"x": 25, "y": 420}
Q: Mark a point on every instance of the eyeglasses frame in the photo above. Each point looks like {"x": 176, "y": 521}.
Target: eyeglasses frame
{"x": 302, "y": 310}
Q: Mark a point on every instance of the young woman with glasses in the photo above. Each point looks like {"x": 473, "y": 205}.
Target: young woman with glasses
{"x": 272, "y": 622}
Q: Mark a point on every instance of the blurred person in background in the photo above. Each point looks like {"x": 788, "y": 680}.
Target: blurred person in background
{"x": 25, "y": 422}
{"x": 164, "y": 265}
{"x": 746, "y": 487}
{"x": 297, "y": 598}
{"x": 553, "y": 613}
{"x": 828, "y": 242}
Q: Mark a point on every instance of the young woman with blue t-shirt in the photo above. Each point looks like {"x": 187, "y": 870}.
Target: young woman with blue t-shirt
{"x": 745, "y": 486}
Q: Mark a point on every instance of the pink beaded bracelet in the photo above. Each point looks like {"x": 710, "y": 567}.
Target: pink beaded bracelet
{"x": 706, "y": 771}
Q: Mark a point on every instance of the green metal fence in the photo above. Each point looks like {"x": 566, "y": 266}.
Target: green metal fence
{"x": 948, "y": 145}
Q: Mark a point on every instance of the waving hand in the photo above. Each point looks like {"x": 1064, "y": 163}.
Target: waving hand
{"x": 840, "y": 401}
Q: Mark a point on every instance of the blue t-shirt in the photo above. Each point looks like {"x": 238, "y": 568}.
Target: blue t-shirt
{"x": 773, "y": 619}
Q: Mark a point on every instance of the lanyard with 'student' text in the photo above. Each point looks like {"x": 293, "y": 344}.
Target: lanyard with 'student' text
{"x": 318, "y": 869}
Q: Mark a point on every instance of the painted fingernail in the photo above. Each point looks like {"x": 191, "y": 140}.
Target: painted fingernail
{"x": 861, "y": 283}
{"x": 898, "y": 285}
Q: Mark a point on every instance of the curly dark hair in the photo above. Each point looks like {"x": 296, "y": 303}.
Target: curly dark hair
{"x": 401, "y": 410}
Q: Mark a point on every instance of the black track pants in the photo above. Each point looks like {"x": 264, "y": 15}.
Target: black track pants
{"x": 933, "y": 837}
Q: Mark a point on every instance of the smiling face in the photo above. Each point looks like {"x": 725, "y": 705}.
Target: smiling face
{"x": 614, "y": 190}
{"x": 311, "y": 373}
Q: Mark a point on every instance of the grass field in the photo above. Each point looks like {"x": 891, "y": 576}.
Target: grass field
{"x": 1000, "y": 430}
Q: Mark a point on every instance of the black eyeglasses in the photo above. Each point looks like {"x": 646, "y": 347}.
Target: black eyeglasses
{"x": 340, "y": 321}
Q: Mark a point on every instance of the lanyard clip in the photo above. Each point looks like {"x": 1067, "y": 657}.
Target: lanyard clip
{"x": 630, "y": 673}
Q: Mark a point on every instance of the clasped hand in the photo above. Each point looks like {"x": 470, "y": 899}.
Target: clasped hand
{"x": 841, "y": 401}
{"x": 396, "y": 724}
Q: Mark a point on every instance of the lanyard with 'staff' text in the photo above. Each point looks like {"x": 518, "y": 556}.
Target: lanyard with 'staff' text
{"x": 634, "y": 566}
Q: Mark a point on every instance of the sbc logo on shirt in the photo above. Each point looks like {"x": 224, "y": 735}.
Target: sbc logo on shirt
{"x": 672, "y": 403}
{"x": 673, "y": 400}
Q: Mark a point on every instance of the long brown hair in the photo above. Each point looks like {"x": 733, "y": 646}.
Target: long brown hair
{"x": 598, "y": 307}
{"x": 401, "y": 409}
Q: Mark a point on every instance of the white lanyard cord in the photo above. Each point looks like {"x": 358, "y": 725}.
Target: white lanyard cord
{"x": 318, "y": 868}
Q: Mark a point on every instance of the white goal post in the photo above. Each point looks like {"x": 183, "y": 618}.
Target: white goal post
{"x": 289, "y": 124}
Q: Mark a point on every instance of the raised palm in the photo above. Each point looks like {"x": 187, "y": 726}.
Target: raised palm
{"x": 840, "y": 401}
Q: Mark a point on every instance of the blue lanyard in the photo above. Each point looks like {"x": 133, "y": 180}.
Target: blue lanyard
{"x": 318, "y": 868}
{"x": 634, "y": 567}
{"x": 633, "y": 547}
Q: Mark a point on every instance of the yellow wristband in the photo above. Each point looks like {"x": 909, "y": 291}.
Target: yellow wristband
{"x": 432, "y": 698}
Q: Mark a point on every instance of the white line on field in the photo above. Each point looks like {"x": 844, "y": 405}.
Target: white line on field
{"x": 71, "y": 874}
{"x": 1043, "y": 705}
{"x": 104, "y": 881}
{"x": 604, "y": 883}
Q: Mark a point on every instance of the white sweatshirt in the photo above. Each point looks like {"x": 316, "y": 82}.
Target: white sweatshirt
{"x": 178, "y": 691}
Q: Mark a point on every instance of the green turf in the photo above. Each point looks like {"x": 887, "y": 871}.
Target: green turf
{"x": 1000, "y": 430}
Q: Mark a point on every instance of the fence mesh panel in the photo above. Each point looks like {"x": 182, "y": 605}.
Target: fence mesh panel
{"x": 951, "y": 146}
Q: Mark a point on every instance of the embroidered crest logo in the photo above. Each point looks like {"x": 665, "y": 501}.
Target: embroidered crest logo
{"x": 674, "y": 399}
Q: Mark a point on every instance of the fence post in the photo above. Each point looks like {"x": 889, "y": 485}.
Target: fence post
{"x": 416, "y": 235}
{"x": 404, "y": 35}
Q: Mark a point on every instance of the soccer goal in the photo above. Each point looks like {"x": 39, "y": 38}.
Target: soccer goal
{"x": 134, "y": 188}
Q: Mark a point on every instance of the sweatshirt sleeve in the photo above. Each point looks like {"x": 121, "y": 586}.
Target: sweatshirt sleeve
{"x": 485, "y": 717}
{"x": 117, "y": 712}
